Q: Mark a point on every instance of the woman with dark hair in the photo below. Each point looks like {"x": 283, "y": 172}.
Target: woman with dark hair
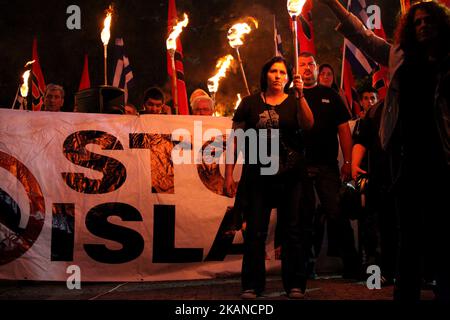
{"x": 328, "y": 79}
{"x": 326, "y": 76}
{"x": 264, "y": 114}
{"x": 415, "y": 132}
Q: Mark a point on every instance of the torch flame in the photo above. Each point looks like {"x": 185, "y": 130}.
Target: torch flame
{"x": 24, "y": 86}
{"x": 171, "y": 42}
{"x": 223, "y": 64}
{"x": 26, "y": 76}
{"x": 238, "y": 101}
{"x": 295, "y": 7}
{"x": 29, "y": 63}
{"x": 237, "y": 31}
{"x": 105, "y": 35}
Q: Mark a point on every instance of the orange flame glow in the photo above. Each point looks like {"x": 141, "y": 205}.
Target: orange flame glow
{"x": 105, "y": 35}
{"x": 171, "y": 42}
{"x": 29, "y": 63}
{"x": 238, "y": 101}
{"x": 25, "y": 77}
{"x": 24, "y": 86}
{"x": 223, "y": 64}
{"x": 295, "y": 7}
{"x": 237, "y": 31}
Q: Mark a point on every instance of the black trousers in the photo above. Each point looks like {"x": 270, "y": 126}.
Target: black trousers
{"x": 424, "y": 234}
{"x": 325, "y": 179}
{"x": 382, "y": 202}
{"x": 285, "y": 195}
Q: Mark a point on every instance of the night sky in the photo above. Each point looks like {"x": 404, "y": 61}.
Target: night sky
{"x": 143, "y": 25}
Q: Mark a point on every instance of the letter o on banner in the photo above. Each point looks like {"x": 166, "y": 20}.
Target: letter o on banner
{"x": 16, "y": 243}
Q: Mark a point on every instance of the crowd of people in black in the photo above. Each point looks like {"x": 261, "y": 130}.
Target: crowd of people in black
{"x": 398, "y": 157}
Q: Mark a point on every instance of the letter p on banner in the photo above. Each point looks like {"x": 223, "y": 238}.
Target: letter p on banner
{"x": 74, "y": 280}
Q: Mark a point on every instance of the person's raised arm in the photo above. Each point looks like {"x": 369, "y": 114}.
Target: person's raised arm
{"x": 355, "y": 31}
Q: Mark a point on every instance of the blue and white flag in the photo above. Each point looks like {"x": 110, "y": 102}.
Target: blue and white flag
{"x": 277, "y": 39}
{"x": 123, "y": 75}
{"x": 360, "y": 63}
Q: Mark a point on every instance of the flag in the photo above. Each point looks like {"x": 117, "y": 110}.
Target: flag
{"x": 123, "y": 75}
{"x": 277, "y": 40}
{"x": 380, "y": 77}
{"x": 181, "y": 86}
{"x": 37, "y": 81}
{"x": 85, "y": 82}
{"x": 348, "y": 85}
{"x": 354, "y": 60}
{"x": 305, "y": 32}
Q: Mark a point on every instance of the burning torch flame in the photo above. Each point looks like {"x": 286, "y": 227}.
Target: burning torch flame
{"x": 295, "y": 7}
{"x": 29, "y": 63}
{"x": 223, "y": 64}
{"x": 237, "y": 31}
{"x": 26, "y": 76}
{"x": 105, "y": 35}
{"x": 238, "y": 101}
{"x": 171, "y": 42}
{"x": 24, "y": 86}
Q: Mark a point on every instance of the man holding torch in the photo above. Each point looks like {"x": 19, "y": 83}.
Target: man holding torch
{"x": 331, "y": 120}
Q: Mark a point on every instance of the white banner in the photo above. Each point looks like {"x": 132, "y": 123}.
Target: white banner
{"x": 103, "y": 193}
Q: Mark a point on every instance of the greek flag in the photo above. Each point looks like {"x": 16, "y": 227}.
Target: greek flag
{"x": 123, "y": 75}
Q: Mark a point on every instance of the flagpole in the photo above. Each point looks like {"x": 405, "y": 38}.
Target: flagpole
{"x": 15, "y": 98}
{"x": 105, "y": 64}
{"x": 294, "y": 10}
{"x": 342, "y": 67}
{"x": 275, "y": 36}
{"x": 174, "y": 80}
{"x": 242, "y": 70}
{"x": 294, "y": 21}
{"x": 343, "y": 56}
{"x": 105, "y": 36}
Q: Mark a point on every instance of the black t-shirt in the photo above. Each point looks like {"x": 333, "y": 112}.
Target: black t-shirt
{"x": 367, "y": 136}
{"x": 321, "y": 142}
{"x": 256, "y": 114}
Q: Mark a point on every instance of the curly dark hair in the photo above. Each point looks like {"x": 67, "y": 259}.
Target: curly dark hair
{"x": 266, "y": 68}
{"x": 405, "y": 34}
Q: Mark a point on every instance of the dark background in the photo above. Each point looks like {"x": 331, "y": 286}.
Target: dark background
{"x": 143, "y": 25}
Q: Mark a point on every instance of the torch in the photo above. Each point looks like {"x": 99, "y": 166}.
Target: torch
{"x": 223, "y": 64}
{"x": 23, "y": 88}
{"x": 105, "y": 35}
{"x": 235, "y": 34}
{"x": 295, "y": 9}
{"x": 171, "y": 44}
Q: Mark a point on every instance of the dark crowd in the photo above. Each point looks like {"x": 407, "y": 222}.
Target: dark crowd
{"x": 394, "y": 177}
{"x": 395, "y": 170}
